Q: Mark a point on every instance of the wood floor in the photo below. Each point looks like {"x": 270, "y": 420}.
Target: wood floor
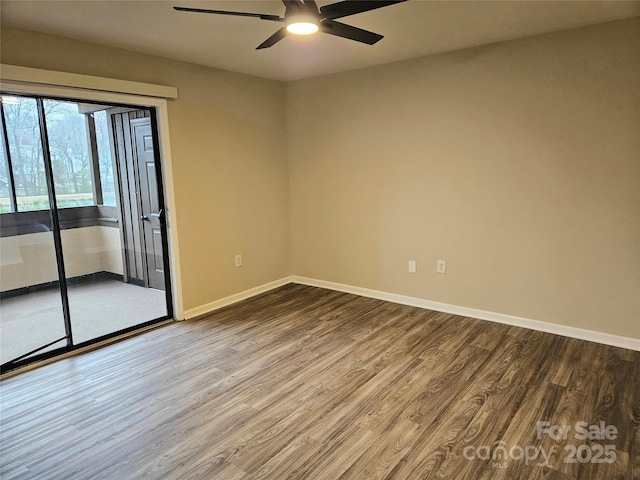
{"x": 306, "y": 383}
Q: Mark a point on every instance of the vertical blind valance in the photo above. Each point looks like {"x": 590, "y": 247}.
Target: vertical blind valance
{"x": 15, "y": 73}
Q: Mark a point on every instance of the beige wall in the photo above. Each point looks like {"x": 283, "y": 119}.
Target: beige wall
{"x": 90, "y": 250}
{"x": 27, "y": 260}
{"x": 518, "y": 163}
{"x": 228, "y": 156}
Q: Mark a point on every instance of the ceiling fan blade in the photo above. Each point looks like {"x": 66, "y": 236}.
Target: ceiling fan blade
{"x": 262, "y": 16}
{"x": 292, "y": 6}
{"x": 311, "y": 4}
{"x": 273, "y": 39}
{"x": 351, "y": 7}
{"x": 347, "y": 31}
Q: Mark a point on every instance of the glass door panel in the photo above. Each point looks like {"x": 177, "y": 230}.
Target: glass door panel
{"x": 31, "y": 320}
{"x": 105, "y": 295}
{"x": 82, "y": 232}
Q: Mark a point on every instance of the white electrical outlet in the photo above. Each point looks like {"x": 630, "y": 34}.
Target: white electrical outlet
{"x": 441, "y": 266}
{"x": 238, "y": 260}
{"x": 412, "y": 266}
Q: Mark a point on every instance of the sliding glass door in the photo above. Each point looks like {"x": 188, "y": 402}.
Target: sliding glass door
{"x": 84, "y": 243}
{"x": 31, "y": 320}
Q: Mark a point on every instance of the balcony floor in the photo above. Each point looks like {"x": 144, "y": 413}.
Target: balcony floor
{"x": 98, "y": 307}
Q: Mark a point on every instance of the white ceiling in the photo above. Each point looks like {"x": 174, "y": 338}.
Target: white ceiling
{"x": 411, "y": 29}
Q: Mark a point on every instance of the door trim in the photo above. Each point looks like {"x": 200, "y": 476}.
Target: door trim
{"x": 66, "y": 79}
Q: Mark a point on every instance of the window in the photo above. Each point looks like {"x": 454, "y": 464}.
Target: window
{"x": 25, "y": 148}
{"x": 79, "y": 146}
{"x": 5, "y": 186}
{"x": 70, "y": 152}
{"x": 105, "y": 158}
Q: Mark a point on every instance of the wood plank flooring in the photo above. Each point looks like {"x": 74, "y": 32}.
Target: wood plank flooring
{"x": 306, "y": 383}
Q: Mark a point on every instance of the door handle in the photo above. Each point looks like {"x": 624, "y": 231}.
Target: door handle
{"x": 161, "y": 217}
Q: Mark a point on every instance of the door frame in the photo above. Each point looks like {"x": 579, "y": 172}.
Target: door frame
{"x": 34, "y": 356}
{"x": 111, "y": 91}
{"x": 124, "y": 159}
{"x": 141, "y": 192}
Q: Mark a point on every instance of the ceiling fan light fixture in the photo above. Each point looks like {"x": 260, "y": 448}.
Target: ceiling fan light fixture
{"x": 303, "y": 17}
{"x": 302, "y": 24}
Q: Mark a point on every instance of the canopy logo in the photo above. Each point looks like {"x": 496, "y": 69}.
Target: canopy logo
{"x": 592, "y": 452}
{"x": 499, "y": 452}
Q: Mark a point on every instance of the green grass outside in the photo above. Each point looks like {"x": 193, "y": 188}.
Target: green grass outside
{"x": 41, "y": 202}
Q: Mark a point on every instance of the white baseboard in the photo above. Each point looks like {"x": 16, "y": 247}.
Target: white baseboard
{"x": 231, "y": 299}
{"x": 567, "y": 331}
{"x": 573, "y": 332}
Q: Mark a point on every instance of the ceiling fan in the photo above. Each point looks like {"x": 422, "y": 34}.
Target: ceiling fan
{"x": 303, "y": 17}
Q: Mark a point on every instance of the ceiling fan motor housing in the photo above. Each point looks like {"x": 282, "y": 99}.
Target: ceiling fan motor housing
{"x": 303, "y": 17}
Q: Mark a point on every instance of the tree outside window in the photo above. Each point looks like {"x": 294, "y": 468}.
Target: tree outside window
{"x": 70, "y": 150}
